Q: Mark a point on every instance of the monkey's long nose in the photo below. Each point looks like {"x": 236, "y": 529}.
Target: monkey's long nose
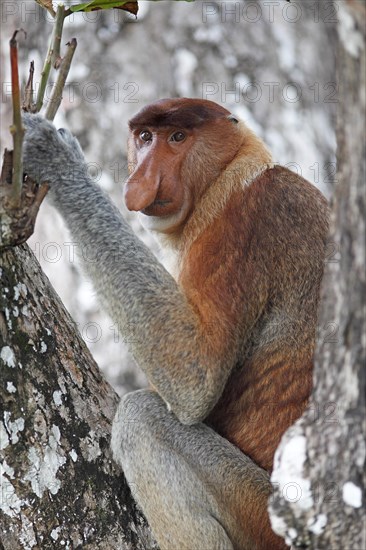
{"x": 140, "y": 191}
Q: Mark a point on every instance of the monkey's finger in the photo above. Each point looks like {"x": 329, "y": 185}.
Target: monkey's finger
{"x": 66, "y": 135}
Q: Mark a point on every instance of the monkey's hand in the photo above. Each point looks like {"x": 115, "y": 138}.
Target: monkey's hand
{"x": 50, "y": 155}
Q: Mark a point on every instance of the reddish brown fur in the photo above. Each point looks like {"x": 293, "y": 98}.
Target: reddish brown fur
{"x": 185, "y": 114}
{"x": 242, "y": 283}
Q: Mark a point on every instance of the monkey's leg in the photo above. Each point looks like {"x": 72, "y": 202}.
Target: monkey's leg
{"x": 197, "y": 490}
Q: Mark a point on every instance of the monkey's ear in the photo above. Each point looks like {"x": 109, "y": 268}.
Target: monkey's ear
{"x": 233, "y": 119}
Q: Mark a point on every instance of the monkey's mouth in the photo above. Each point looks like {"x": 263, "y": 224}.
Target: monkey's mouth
{"x": 157, "y": 208}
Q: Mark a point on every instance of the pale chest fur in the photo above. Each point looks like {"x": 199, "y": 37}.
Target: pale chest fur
{"x": 170, "y": 260}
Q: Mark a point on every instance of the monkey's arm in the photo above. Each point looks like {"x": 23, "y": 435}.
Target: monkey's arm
{"x": 164, "y": 329}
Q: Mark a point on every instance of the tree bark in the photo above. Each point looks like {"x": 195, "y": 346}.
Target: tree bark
{"x": 60, "y": 487}
{"x": 319, "y": 468}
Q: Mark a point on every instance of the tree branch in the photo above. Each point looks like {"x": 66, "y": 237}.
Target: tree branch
{"x": 53, "y": 54}
{"x": 61, "y": 80}
{"x": 16, "y": 129}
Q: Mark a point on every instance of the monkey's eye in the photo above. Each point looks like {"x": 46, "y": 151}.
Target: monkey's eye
{"x": 145, "y": 135}
{"x": 178, "y": 136}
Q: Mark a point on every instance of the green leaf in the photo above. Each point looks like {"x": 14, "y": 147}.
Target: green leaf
{"x": 128, "y": 5}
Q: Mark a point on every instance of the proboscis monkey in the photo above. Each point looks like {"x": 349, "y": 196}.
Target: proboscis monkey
{"x": 226, "y": 338}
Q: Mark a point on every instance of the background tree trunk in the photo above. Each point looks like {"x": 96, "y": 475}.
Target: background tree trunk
{"x": 59, "y": 485}
{"x": 319, "y": 472}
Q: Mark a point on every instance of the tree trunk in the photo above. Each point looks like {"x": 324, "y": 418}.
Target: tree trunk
{"x": 318, "y": 474}
{"x": 60, "y": 487}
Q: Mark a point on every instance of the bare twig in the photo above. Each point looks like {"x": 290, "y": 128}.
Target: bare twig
{"x": 53, "y": 54}
{"x": 33, "y": 209}
{"x": 61, "y": 79}
{"x": 28, "y": 104}
{"x": 20, "y": 198}
{"x": 47, "y": 6}
{"x": 16, "y": 129}
{"x": 57, "y": 34}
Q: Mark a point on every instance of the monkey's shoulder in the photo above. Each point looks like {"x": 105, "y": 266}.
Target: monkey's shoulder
{"x": 289, "y": 186}
{"x": 288, "y": 203}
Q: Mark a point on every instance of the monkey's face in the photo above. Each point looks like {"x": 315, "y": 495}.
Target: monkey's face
{"x": 176, "y": 148}
{"x": 155, "y": 187}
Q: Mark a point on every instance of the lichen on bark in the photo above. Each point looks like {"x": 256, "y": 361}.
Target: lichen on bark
{"x": 60, "y": 486}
